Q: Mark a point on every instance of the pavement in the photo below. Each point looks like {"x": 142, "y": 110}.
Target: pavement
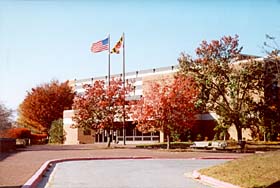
{"x": 18, "y": 167}
{"x": 126, "y": 173}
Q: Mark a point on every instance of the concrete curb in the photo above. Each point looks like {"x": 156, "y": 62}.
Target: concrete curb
{"x": 218, "y": 158}
{"x": 37, "y": 177}
{"x": 212, "y": 181}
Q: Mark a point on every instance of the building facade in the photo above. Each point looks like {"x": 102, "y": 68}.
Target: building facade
{"x": 141, "y": 81}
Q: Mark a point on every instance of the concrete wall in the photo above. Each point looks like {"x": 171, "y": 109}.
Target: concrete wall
{"x": 75, "y": 135}
{"x": 71, "y": 133}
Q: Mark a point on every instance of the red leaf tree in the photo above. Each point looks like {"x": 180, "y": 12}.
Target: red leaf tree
{"x": 44, "y": 104}
{"x": 101, "y": 106}
{"x": 169, "y": 105}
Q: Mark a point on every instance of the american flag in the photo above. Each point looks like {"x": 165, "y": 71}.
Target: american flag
{"x": 100, "y": 46}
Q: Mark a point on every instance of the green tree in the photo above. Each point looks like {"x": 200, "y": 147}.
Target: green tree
{"x": 233, "y": 90}
{"x": 271, "y": 126}
{"x": 56, "y": 132}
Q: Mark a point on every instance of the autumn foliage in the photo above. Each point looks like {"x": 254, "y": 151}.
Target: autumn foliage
{"x": 44, "y": 104}
{"x": 101, "y": 106}
{"x": 234, "y": 91}
{"x": 16, "y": 133}
{"x": 20, "y": 133}
{"x": 168, "y": 105}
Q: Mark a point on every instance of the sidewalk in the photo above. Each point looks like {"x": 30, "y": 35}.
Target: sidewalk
{"x": 16, "y": 168}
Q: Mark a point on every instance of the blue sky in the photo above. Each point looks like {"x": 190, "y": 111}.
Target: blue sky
{"x": 50, "y": 39}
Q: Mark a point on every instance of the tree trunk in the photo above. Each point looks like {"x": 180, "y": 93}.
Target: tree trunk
{"x": 239, "y": 137}
{"x": 168, "y": 141}
{"x": 108, "y": 140}
{"x": 239, "y": 132}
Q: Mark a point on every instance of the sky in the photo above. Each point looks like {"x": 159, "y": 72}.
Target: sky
{"x": 44, "y": 40}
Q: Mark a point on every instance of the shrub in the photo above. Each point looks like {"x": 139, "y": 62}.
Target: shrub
{"x": 175, "y": 145}
{"x": 198, "y": 137}
{"x": 39, "y": 138}
{"x": 16, "y": 133}
{"x": 56, "y": 132}
{"x": 23, "y": 133}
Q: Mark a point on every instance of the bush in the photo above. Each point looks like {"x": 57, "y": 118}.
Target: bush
{"x": 39, "y": 138}
{"x": 24, "y": 133}
{"x": 198, "y": 137}
{"x": 16, "y": 133}
{"x": 56, "y": 132}
{"x": 174, "y": 145}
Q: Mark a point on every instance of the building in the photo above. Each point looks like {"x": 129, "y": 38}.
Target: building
{"x": 204, "y": 124}
{"x": 141, "y": 80}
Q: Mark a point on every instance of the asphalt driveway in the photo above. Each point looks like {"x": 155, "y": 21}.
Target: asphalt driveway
{"x": 135, "y": 173}
{"x": 17, "y": 167}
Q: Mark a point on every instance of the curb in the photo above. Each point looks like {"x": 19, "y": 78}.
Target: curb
{"x": 217, "y": 158}
{"x": 37, "y": 177}
{"x": 212, "y": 181}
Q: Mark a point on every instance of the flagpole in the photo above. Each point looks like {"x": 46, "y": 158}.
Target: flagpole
{"x": 124, "y": 90}
{"x": 109, "y": 63}
{"x": 109, "y": 59}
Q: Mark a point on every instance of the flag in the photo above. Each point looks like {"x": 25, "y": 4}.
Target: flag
{"x": 117, "y": 47}
{"x": 100, "y": 46}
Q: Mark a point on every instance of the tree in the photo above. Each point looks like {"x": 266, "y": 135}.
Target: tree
{"x": 101, "y": 106}
{"x": 271, "y": 47}
{"x": 56, "y": 132}
{"x": 271, "y": 127}
{"x": 44, "y": 104}
{"x": 5, "y": 117}
{"x": 234, "y": 91}
{"x": 168, "y": 106}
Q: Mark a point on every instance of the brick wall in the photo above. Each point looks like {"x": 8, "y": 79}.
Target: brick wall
{"x": 86, "y": 139}
{"x": 147, "y": 81}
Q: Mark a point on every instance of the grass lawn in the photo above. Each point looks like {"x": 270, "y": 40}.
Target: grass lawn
{"x": 258, "y": 170}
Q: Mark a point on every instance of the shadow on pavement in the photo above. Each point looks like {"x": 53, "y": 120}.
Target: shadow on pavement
{"x": 73, "y": 147}
{"x": 6, "y": 155}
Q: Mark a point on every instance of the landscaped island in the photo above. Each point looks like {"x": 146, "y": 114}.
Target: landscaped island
{"x": 259, "y": 170}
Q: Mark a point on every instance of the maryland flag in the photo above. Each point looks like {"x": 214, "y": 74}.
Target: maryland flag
{"x": 117, "y": 47}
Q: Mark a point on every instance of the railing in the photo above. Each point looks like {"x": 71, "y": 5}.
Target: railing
{"x": 138, "y": 138}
